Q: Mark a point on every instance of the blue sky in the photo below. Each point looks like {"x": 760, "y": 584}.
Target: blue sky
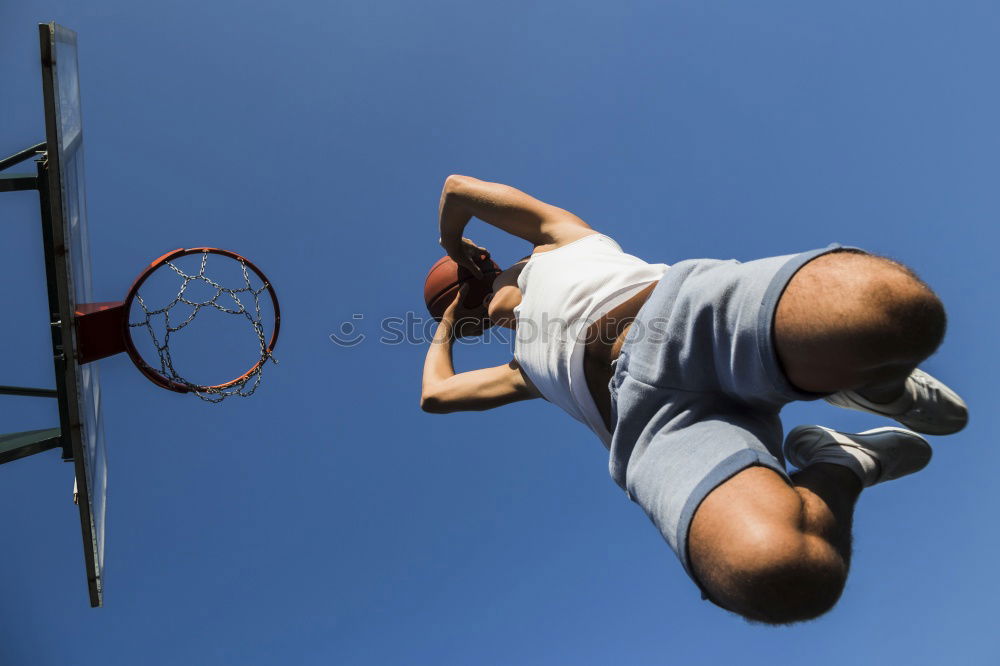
{"x": 326, "y": 519}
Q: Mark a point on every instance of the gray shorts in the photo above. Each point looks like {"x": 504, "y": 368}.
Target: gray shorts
{"x": 696, "y": 391}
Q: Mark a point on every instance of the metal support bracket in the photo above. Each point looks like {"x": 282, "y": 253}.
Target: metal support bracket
{"x": 25, "y": 154}
{"x": 14, "y": 182}
{"x": 32, "y": 392}
{"x": 18, "y": 445}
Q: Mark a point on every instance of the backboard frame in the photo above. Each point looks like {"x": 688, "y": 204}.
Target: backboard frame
{"x": 61, "y": 293}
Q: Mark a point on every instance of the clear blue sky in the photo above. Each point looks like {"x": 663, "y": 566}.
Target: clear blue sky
{"x": 327, "y": 520}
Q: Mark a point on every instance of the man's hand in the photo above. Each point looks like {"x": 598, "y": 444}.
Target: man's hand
{"x": 464, "y": 321}
{"x": 466, "y": 254}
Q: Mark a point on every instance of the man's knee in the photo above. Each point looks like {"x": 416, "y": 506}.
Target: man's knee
{"x": 846, "y": 315}
{"x": 777, "y": 576}
{"x": 910, "y": 317}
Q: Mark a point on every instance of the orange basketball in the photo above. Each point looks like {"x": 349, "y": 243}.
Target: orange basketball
{"x": 446, "y": 277}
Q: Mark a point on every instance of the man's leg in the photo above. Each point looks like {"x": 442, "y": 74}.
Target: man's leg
{"x": 779, "y": 553}
{"x": 772, "y": 552}
{"x": 849, "y": 320}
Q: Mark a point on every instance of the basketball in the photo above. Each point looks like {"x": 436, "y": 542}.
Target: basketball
{"x": 446, "y": 278}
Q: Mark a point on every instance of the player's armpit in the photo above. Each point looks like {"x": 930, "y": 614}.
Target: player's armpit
{"x": 478, "y": 390}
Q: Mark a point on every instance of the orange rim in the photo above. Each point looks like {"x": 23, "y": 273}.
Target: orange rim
{"x": 154, "y": 375}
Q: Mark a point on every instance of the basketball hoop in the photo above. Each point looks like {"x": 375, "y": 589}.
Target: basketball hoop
{"x": 104, "y": 329}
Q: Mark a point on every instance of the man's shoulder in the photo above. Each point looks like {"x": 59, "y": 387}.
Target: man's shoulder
{"x": 572, "y": 238}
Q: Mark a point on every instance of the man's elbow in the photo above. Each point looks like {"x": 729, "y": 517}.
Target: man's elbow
{"x": 433, "y": 405}
{"x": 456, "y": 184}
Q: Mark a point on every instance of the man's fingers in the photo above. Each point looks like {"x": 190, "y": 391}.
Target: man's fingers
{"x": 473, "y": 267}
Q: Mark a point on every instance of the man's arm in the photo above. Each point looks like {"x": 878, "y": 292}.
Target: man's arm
{"x": 504, "y": 207}
{"x": 476, "y": 390}
{"x": 444, "y": 391}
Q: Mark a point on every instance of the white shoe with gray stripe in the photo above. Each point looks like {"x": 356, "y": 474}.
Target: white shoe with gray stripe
{"x": 875, "y": 455}
{"x": 927, "y": 405}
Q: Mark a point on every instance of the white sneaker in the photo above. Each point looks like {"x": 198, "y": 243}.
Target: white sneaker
{"x": 927, "y": 405}
{"x": 875, "y": 455}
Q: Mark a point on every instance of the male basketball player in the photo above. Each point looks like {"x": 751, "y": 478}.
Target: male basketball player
{"x": 682, "y": 370}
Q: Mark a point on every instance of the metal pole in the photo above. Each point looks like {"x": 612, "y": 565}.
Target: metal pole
{"x": 32, "y": 392}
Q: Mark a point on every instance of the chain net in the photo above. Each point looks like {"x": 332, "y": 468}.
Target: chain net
{"x": 244, "y": 386}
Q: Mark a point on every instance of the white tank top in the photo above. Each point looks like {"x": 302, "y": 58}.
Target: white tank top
{"x": 563, "y": 291}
